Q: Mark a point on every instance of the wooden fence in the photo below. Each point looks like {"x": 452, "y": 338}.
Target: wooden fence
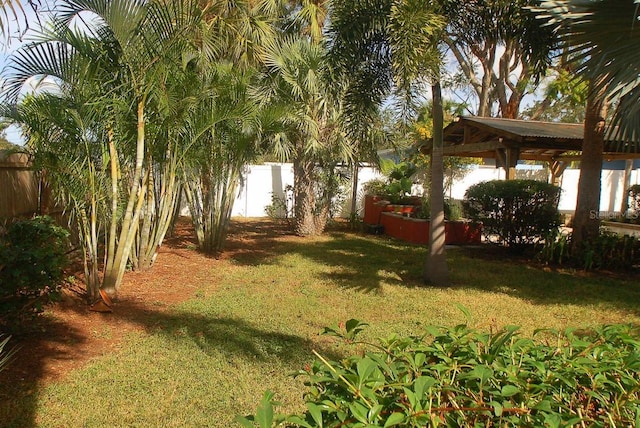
{"x": 21, "y": 192}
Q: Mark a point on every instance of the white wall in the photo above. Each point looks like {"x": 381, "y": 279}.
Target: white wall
{"x": 264, "y": 180}
{"x": 261, "y": 182}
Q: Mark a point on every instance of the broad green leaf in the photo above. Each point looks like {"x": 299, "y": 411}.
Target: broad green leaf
{"x": 509, "y": 390}
{"x": 552, "y": 420}
{"x": 316, "y": 413}
{"x": 365, "y": 368}
{"x": 359, "y": 411}
{"x": 298, "y": 421}
{"x": 264, "y": 414}
{"x": 497, "y": 408}
{"x": 245, "y": 421}
{"x": 419, "y": 359}
{"x": 482, "y": 372}
{"x": 422, "y": 384}
{"x": 394, "y": 419}
{"x": 544, "y": 406}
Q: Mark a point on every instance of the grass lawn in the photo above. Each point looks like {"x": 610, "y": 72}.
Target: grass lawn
{"x": 258, "y": 314}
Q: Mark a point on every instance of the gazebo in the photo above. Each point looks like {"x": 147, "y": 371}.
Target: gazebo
{"x": 510, "y": 140}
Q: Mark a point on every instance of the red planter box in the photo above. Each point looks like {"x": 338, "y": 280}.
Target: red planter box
{"x": 417, "y": 230}
{"x": 373, "y": 206}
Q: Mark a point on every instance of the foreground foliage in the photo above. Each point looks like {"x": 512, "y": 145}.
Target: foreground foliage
{"x": 460, "y": 376}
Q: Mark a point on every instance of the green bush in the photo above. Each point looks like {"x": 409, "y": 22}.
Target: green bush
{"x": 397, "y": 186}
{"x": 608, "y": 251}
{"x": 32, "y": 259}
{"x": 453, "y": 377}
{"x": 517, "y": 213}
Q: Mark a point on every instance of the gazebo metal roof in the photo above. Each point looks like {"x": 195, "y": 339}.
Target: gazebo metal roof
{"x": 522, "y": 139}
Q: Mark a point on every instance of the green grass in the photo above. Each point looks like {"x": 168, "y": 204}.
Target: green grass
{"x": 210, "y": 359}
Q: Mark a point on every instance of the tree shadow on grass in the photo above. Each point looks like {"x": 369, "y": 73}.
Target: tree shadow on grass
{"x": 227, "y": 335}
{"x": 19, "y": 387}
{"x": 366, "y": 263}
{"x": 215, "y": 336}
{"x": 361, "y": 263}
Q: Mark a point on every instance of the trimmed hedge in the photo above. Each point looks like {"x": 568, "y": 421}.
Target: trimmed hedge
{"x": 518, "y": 212}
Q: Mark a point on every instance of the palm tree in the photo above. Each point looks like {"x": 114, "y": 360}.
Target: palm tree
{"x": 310, "y": 133}
{"x": 392, "y": 46}
{"x": 603, "y": 39}
{"x": 224, "y": 130}
{"x": 12, "y": 13}
{"x": 112, "y": 69}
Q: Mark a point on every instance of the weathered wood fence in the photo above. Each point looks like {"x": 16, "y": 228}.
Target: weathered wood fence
{"x": 21, "y": 191}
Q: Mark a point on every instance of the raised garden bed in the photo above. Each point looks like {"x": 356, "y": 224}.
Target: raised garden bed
{"x": 416, "y": 230}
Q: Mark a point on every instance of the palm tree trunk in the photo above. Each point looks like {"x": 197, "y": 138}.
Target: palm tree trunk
{"x": 137, "y": 193}
{"x": 115, "y": 178}
{"x": 304, "y": 198}
{"x": 436, "y": 271}
{"x": 586, "y": 222}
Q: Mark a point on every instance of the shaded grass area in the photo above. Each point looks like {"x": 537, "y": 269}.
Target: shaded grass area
{"x": 203, "y": 362}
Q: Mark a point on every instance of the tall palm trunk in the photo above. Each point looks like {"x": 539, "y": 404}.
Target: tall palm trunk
{"x": 307, "y": 221}
{"x": 436, "y": 271}
{"x": 586, "y": 222}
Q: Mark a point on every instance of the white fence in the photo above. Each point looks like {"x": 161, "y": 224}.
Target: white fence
{"x": 262, "y": 181}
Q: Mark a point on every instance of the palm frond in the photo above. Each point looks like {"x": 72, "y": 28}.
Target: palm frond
{"x": 604, "y": 36}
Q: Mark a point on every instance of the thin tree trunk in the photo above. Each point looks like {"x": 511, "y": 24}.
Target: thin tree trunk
{"x": 586, "y": 222}
{"x": 436, "y": 271}
{"x": 354, "y": 191}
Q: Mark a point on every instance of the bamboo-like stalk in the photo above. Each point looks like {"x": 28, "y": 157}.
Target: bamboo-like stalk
{"x": 113, "y": 276}
{"x": 160, "y": 207}
{"x": 115, "y": 178}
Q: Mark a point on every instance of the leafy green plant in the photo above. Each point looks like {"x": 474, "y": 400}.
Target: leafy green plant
{"x": 281, "y": 207}
{"x": 452, "y": 209}
{"x": 516, "y": 213}
{"x": 396, "y": 187}
{"x": 32, "y": 262}
{"x": 607, "y": 251}
{"x": 460, "y": 376}
{"x": 375, "y": 187}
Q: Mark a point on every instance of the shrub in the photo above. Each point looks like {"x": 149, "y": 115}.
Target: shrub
{"x": 281, "y": 207}
{"x": 517, "y": 212}
{"x": 398, "y": 184}
{"x": 453, "y": 377}
{"x": 32, "y": 259}
{"x": 375, "y": 187}
{"x": 607, "y": 251}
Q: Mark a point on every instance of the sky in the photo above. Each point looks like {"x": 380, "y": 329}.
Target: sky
{"x": 16, "y": 27}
